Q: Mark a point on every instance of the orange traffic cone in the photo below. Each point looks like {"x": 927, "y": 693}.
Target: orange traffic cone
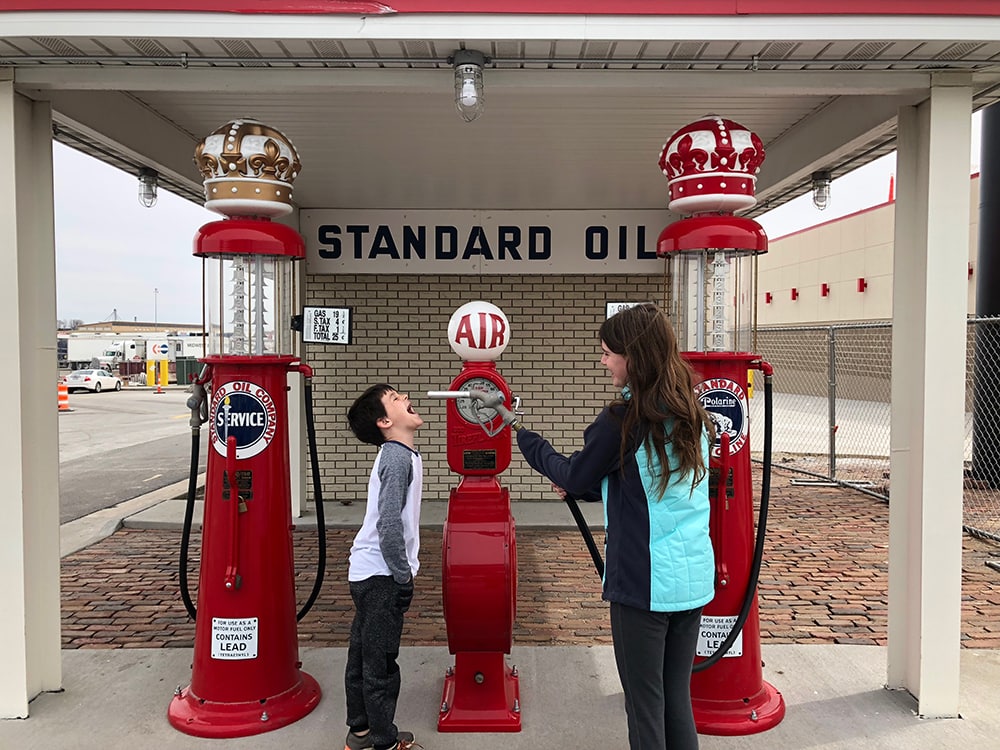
{"x": 159, "y": 388}
{"x": 63, "y": 391}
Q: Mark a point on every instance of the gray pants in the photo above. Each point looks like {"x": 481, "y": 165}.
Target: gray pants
{"x": 654, "y": 652}
{"x": 371, "y": 679}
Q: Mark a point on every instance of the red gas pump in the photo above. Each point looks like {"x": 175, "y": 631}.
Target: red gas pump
{"x": 711, "y": 168}
{"x": 479, "y": 552}
{"x": 246, "y": 676}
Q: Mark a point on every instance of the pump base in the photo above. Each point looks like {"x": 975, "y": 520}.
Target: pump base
{"x": 187, "y": 713}
{"x": 481, "y": 694}
{"x": 759, "y": 713}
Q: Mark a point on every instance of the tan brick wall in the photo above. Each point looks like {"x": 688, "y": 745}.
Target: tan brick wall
{"x": 400, "y": 336}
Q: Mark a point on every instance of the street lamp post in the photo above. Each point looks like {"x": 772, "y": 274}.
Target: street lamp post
{"x": 155, "y": 293}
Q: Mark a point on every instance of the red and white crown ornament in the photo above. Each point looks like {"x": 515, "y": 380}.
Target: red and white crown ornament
{"x": 711, "y": 165}
{"x": 248, "y": 169}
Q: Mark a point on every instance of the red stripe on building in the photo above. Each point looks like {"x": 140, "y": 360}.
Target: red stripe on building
{"x": 552, "y": 7}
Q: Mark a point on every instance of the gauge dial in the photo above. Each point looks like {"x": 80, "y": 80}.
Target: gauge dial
{"x": 472, "y": 410}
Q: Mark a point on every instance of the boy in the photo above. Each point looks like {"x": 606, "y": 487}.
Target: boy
{"x": 382, "y": 565}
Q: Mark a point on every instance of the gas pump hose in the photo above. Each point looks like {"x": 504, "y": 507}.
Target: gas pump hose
{"x": 758, "y": 553}
{"x": 198, "y": 404}
{"x": 317, "y": 498}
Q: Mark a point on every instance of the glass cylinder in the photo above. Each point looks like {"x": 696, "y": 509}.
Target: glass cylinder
{"x": 248, "y": 303}
{"x": 711, "y": 300}
{"x": 249, "y": 286}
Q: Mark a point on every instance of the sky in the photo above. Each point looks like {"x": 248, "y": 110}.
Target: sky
{"x": 114, "y": 256}
{"x": 117, "y": 259}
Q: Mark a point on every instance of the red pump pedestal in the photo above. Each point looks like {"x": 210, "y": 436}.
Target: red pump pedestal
{"x": 479, "y": 552}
{"x": 730, "y": 697}
{"x": 479, "y": 581}
{"x": 245, "y": 676}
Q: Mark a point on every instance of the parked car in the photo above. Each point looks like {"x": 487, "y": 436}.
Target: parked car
{"x": 92, "y": 380}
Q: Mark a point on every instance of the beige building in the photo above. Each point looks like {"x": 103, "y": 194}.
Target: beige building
{"x": 841, "y": 270}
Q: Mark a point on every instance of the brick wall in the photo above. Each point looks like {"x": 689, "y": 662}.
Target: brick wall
{"x": 400, "y": 336}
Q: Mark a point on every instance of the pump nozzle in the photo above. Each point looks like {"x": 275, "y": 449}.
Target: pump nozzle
{"x": 198, "y": 404}
{"x": 495, "y": 401}
{"x": 489, "y": 400}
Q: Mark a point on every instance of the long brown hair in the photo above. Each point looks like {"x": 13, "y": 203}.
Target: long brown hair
{"x": 661, "y": 391}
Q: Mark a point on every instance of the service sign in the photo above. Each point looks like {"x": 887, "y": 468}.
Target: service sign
{"x": 246, "y": 412}
{"x": 483, "y": 242}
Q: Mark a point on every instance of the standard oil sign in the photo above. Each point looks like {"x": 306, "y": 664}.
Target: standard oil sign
{"x": 500, "y": 242}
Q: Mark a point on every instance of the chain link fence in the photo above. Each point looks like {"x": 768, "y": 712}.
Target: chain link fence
{"x": 832, "y": 410}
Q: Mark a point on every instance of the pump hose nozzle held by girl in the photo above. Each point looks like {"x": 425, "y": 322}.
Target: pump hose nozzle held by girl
{"x": 495, "y": 401}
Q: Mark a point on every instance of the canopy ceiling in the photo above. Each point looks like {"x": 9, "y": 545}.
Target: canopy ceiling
{"x": 575, "y": 115}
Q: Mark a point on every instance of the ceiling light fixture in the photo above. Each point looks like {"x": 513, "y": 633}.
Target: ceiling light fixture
{"x": 469, "y": 97}
{"x": 821, "y": 189}
{"x": 148, "y": 181}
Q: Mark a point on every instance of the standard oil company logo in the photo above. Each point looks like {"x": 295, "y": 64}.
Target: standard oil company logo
{"x": 246, "y": 412}
{"x": 726, "y": 403}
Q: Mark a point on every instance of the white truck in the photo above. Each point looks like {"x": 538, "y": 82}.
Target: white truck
{"x": 78, "y": 351}
{"x": 84, "y": 351}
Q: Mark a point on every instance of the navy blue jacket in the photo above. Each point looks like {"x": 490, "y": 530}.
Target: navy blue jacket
{"x": 658, "y": 554}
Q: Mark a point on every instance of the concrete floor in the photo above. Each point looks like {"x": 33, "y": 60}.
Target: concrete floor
{"x": 570, "y": 697}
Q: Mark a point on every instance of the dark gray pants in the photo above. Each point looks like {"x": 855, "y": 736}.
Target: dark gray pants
{"x": 371, "y": 679}
{"x": 654, "y": 652}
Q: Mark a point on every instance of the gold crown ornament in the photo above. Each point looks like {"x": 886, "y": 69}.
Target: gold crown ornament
{"x": 248, "y": 169}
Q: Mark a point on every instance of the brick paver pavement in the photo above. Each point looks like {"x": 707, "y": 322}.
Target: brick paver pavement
{"x": 824, "y": 580}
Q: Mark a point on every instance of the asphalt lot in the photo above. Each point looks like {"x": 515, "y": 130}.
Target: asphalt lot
{"x": 115, "y": 446}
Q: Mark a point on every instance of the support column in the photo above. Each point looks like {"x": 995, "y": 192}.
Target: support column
{"x": 930, "y": 289}
{"x": 29, "y": 461}
{"x": 986, "y": 383}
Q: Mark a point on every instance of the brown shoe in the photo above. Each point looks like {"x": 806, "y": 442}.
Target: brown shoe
{"x": 404, "y": 741}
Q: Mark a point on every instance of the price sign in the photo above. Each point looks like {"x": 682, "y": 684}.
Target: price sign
{"x": 617, "y": 307}
{"x": 326, "y": 325}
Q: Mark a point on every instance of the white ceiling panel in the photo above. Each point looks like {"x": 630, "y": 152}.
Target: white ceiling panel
{"x": 569, "y": 122}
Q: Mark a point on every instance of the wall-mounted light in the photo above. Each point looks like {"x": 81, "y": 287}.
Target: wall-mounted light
{"x": 821, "y": 189}
{"x": 824, "y": 290}
{"x": 862, "y": 284}
{"x": 470, "y": 100}
{"x": 148, "y": 182}
{"x": 795, "y": 293}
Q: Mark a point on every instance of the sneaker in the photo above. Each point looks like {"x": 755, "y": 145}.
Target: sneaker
{"x": 354, "y": 742}
{"x": 404, "y": 741}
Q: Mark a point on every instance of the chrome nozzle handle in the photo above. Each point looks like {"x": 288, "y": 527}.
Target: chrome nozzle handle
{"x": 490, "y": 400}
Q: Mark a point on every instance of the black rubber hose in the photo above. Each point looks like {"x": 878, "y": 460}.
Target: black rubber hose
{"x": 588, "y": 538}
{"x": 318, "y": 499}
{"x": 758, "y": 552}
{"x": 186, "y": 528}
